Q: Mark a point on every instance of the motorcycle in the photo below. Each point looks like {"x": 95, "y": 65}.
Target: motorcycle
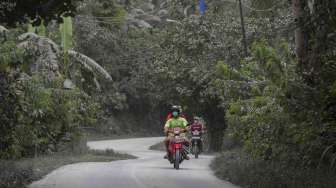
{"x": 196, "y": 142}
{"x": 178, "y": 148}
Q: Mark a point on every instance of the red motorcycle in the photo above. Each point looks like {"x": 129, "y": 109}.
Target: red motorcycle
{"x": 178, "y": 147}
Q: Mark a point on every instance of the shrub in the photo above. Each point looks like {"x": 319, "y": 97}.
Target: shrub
{"x": 282, "y": 117}
{"x": 37, "y": 114}
{"x": 240, "y": 168}
{"x": 14, "y": 176}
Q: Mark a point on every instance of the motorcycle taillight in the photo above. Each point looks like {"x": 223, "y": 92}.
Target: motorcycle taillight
{"x": 178, "y": 146}
{"x": 196, "y": 132}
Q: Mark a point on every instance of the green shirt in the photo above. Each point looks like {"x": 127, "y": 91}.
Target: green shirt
{"x": 176, "y": 122}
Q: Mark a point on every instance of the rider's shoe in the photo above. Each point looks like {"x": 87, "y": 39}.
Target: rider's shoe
{"x": 166, "y": 156}
{"x": 187, "y": 157}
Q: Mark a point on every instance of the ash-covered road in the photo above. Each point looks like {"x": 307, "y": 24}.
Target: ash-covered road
{"x": 150, "y": 170}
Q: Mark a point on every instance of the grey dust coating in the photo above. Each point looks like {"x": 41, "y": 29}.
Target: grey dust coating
{"x": 150, "y": 170}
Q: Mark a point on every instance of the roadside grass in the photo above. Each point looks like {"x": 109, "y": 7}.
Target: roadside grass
{"x": 237, "y": 167}
{"x": 19, "y": 173}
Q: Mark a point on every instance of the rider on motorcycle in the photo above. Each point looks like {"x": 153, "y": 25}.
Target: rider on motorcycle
{"x": 170, "y": 115}
{"x": 175, "y": 121}
{"x": 197, "y": 125}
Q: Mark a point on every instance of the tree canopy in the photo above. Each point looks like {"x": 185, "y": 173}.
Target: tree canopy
{"x": 22, "y": 11}
{"x": 278, "y": 101}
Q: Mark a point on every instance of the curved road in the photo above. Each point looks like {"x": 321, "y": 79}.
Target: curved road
{"x": 150, "y": 170}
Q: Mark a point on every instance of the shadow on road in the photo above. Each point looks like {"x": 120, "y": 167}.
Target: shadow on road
{"x": 169, "y": 168}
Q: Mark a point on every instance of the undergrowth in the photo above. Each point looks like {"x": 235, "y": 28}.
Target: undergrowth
{"x": 239, "y": 168}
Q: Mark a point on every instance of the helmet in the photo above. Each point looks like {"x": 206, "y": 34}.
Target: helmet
{"x": 175, "y": 108}
{"x": 197, "y": 119}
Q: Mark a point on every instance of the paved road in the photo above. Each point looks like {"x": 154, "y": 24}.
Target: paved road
{"x": 150, "y": 170}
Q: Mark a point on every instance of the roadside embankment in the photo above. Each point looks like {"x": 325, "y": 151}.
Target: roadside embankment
{"x": 241, "y": 169}
{"x": 19, "y": 173}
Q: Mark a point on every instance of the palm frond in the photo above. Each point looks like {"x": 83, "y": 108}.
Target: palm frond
{"x": 40, "y": 41}
{"x": 3, "y": 29}
{"x": 89, "y": 64}
{"x": 45, "y": 51}
{"x": 333, "y": 161}
{"x": 97, "y": 84}
{"x": 49, "y": 53}
{"x": 325, "y": 151}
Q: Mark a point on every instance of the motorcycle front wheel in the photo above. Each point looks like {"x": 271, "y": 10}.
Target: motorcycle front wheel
{"x": 177, "y": 160}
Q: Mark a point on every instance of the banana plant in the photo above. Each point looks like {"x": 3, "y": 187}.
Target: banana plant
{"x": 66, "y": 42}
{"x": 49, "y": 55}
{"x": 40, "y": 30}
{"x": 66, "y": 34}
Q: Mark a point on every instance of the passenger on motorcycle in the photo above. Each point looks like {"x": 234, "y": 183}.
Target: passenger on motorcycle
{"x": 175, "y": 121}
{"x": 197, "y": 126}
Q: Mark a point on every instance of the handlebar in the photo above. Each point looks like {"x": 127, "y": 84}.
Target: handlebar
{"x": 172, "y": 130}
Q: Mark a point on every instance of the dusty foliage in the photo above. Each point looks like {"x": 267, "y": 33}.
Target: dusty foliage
{"x": 242, "y": 169}
{"x": 38, "y": 115}
{"x": 280, "y": 108}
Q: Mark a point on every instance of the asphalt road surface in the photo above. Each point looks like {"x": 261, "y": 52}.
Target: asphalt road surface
{"x": 150, "y": 170}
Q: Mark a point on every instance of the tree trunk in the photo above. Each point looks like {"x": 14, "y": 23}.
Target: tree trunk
{"x": 216, "y": 126}
{"x": 243, "y": 28}
{"x": 216, "y": 138}
{"x": 300, "y": 35}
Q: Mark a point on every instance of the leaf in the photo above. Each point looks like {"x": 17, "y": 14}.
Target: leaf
{"x": 89, "y": 64}
{"x": 3, "y": 29}
{"x": 324, "y": 153}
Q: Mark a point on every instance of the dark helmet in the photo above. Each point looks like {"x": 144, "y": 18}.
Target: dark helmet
{"x": 175, "y": 108}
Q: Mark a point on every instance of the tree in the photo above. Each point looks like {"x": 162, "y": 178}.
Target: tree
{"x": 300, "y": 35}
{"x": 18, "y": 11}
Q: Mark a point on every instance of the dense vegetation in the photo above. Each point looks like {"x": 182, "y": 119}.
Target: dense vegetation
{"x": 37, "y": 113}
{"x": 13, "y": 12}
{"x": 278, "y": 101}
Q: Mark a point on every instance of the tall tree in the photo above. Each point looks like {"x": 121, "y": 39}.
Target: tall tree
{"x": 301, "y": 39}
{"x": 242, "y": 23}
{"x": 19, "y": 11}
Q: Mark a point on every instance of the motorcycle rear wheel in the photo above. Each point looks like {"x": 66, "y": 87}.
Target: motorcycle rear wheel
{"x": 196, "y": 151}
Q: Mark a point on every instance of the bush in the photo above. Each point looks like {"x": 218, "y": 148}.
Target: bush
{"x": 282, "y": 117}
{"x": 38, "y": 115}
{"x": 240, "y": 168}
{"x": 14, "y": 176}
{"x": 230, "y": 143}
